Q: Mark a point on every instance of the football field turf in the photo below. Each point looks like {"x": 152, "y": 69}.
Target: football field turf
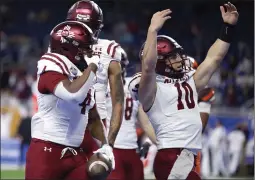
{"x": 12, "y": 174}
{"x": 20, "y": 174}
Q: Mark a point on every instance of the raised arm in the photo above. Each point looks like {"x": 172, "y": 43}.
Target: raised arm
{"x": 147, "y": 87}
{"x": 219, "y": 49}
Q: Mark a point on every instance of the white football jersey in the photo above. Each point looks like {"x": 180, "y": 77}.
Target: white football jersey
{"x": 174, "y": 114}
{"x": 127, "y": 137}
{"x": 107, "y": 51}
{"x": 57, "y": 120}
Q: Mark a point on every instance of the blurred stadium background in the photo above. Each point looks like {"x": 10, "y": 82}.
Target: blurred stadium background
{"x": 25, "y": 27}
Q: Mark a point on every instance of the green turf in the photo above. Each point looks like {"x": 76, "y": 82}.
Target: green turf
{"x": 12, "y": 174}
{"x": 20, "y": 174}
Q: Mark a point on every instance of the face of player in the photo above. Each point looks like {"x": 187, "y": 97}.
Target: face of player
{"x": 174, "y": 62}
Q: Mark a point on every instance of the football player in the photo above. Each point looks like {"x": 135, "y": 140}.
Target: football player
{"x": 65, "y": 98}
{"x": 168, "y": 94}
{"x": 128, "y": 163}
{"x": 110, "y": 52}
{"x": 205, "y": 99}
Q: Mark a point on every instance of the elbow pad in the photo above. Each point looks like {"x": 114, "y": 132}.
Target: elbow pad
{"x": 77, "y": 97}
{"x": 204, "y": 107}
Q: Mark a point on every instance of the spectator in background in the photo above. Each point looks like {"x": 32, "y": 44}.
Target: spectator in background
{"x": 24, "y": 133}
{"x": 218, "y": 143}
{"x": 20, "y": 83}
{"x": 249, "y": 149}
{"x": 249, "y": 156}
{"x": 205, "y": 163}
{"x": 197, "y": 42}
{"x": 10, "y": 114}
{"x": 236, "y": 140}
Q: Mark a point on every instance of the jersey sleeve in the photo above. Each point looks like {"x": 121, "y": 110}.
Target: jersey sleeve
{"x": 52, "y": 62}
{"x": 114, "y": 51}
{"x": 133, "y": 86}
{"x": 48, "y": 81}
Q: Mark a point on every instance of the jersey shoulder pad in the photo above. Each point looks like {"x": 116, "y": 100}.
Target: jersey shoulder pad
{"x": 52, "y": 62}
{"x": 133, "y": 86}
{"x": 58, "y": 63}
{"x": 108, "y": 49}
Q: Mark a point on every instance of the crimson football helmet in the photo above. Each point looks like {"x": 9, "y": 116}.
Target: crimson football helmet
{"x": 87, "y": 12}
{"x": 167, "y": 48}
{"x": 72, "y": 39}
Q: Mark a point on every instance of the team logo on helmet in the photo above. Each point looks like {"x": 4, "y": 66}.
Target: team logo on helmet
{"x": 83, "y": 17}
{"x": 65, "y": 33}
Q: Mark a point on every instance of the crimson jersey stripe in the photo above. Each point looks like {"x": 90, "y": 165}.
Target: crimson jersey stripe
{"x": 57, "y": 63}
{"x": 58, "y": 58}
{"x": 114, "y": 50}
{"x": 109, "y": 48}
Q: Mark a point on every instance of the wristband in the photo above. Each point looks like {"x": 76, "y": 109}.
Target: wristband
{"x": 204, "y": 107}
{"x": 227, "y": 32}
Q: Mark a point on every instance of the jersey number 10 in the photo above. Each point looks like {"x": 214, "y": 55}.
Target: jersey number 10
{"x": 189, "y": 98}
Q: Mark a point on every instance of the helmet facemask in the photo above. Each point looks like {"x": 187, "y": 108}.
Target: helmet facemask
{"x": 165, "y": 64}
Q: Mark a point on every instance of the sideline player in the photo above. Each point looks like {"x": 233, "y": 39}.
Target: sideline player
{"x": 168, "y": 94}
{"x": 65, "y": 102}
{"x": 110, "y": 53}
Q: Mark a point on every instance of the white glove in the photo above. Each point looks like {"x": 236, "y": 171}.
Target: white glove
{"x": 94, "y": 59}
{"x": 106, "y": 149}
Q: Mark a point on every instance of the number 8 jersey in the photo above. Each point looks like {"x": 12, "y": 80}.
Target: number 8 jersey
{"x": 174, "y": 114}
{"x": 127, "y": 137}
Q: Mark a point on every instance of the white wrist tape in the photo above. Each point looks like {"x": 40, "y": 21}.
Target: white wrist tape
{"x": 80, "y": 95}
{"x": 204, "y": 107}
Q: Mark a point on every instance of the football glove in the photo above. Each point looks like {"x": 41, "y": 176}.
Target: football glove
{"x": 106, "y": 149}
